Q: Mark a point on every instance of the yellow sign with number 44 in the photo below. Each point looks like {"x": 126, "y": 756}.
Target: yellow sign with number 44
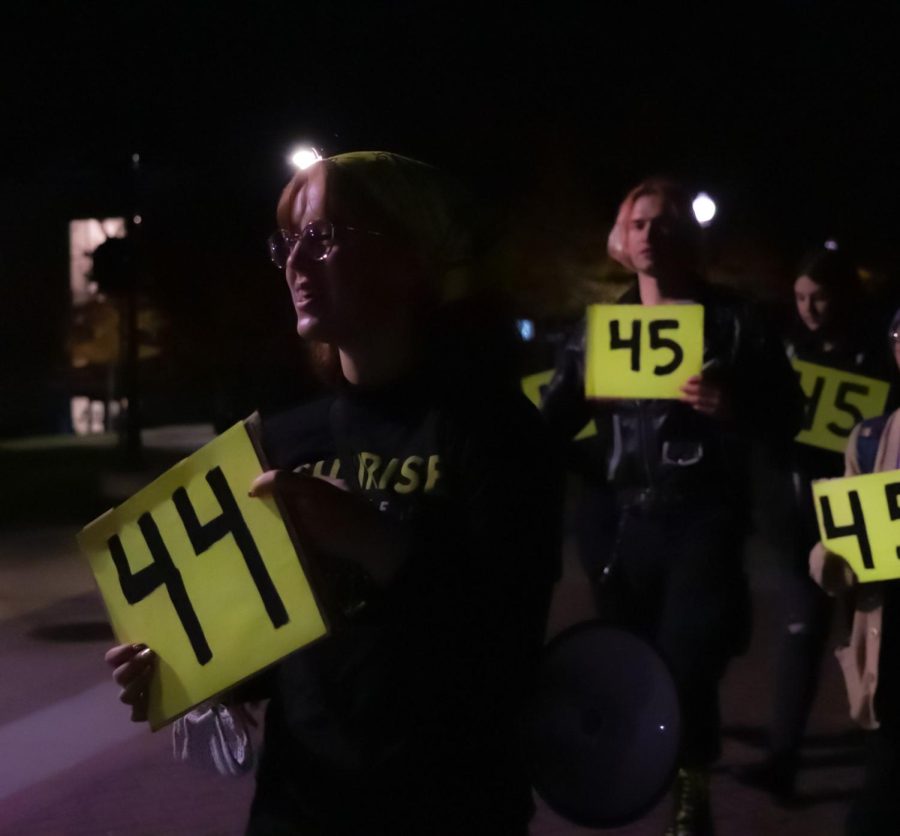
{"x": 207, "y": 577}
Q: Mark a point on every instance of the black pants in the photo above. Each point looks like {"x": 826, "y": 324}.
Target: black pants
{"x": 677, "y": 580}
{"x": 436, "y": 789}
{"x": 806, "y": 615}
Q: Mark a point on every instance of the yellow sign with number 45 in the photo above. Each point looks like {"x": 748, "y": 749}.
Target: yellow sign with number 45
{"x": 836, "y": 401}
{"x": 859, "y": 520}
{"x": 642, "y": 351}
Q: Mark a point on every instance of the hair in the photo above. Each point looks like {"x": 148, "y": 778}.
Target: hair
{"x": 678, "y": 206}
{"x": 836, "y": 273}
{"x": 833, "y": 271}
{"x": 345, "y": 203}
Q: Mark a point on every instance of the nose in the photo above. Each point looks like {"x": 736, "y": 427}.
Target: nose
{"x": 294, "y": 269}
{"x": 295, "y": 259}
{"x": 654, "y": 233}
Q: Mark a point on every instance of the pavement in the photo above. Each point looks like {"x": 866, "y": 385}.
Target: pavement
{"x": 71, "y": 763}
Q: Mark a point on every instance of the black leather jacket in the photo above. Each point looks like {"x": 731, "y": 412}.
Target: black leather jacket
{"x": 665, "y": 452}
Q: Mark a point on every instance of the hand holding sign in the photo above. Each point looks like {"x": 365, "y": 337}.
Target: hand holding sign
{"x": 133, "y": 667}
{"x": 859, "y": 520}
{"x": 643, "y": 351}
{"x": 209, "y": 578}
{"x": 339, "y": 525}
{"x": 705, "y": 395}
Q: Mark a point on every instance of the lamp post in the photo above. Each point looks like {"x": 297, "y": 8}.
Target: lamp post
{"x": 704, "y": 209}
{"x": 131, "y": 438}
{"x": 304, "y": 156}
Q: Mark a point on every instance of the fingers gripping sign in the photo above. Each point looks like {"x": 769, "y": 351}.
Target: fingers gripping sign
{"x": 641, "y": 351}
{"x": 705, "y": 395}
{"x": 133, "y": 666}
{"x": 206, "y": 576}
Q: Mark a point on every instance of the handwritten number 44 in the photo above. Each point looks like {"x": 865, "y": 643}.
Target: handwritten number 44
{"x": 136, "y": 586}
{"x": 657, "y": 341}
{"x": 857, "y": 528}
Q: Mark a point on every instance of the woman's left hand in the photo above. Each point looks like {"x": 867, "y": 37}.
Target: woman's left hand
{"x": 705, "y": 396}
{"x": 338, "y": 524}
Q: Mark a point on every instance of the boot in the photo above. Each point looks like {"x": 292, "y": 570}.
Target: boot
{"x": 693, "y": 816}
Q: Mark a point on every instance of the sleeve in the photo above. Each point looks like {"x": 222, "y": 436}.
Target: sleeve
{"x": 564, "y": 405}
{"x": 768, "y": 399}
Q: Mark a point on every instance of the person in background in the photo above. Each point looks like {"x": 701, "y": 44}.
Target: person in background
{"x": 825, "y": 330}
{"x": 405, "y": 719}
{"x": 871, "y": 660}
{"x": 679, "y": 477}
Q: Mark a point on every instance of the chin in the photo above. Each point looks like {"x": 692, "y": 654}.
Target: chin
{"x": 310, "y": 328}
{"x": 648, "y": 266}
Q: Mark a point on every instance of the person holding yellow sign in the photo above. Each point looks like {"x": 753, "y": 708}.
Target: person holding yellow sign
{"x": 825, "y": 340}
{"x": 436, "y": 520}
{"x": 870, "y": 662}
{"x": 677, "y": 462}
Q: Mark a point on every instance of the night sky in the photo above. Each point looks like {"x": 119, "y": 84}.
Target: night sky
{"x": 783, "y": 111}
{"x": 771, "y": 98}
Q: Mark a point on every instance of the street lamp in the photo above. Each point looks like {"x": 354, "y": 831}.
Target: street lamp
{"x": 704, "y": 209}
{"x": 304, "y": 156}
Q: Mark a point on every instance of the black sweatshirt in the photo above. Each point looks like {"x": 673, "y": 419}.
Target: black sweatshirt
{"x": 404, "y": 720}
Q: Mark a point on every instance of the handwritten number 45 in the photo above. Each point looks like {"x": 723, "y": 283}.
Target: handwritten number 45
{"x": 657, "y": 341}
{"x": 136, "y": 586}
{"x": 845, "y": 389}
{"x": 857, "y": 528}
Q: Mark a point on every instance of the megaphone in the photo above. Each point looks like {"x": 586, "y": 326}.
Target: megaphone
{"x": 603, "y": 728}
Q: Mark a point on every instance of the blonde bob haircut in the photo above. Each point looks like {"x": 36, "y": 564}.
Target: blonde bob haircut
{"x": 677, "y": 203}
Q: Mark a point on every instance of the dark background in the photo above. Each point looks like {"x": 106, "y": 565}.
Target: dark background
{"x": 783, "y": 111}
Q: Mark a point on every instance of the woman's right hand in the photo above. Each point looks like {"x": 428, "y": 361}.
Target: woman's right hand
{"x": 133, "y": 666}
{"x": 830, "y": 571}
{"x": 339, "y": 523}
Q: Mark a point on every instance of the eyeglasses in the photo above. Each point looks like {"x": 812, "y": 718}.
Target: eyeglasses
{"x": 315, "y": 241}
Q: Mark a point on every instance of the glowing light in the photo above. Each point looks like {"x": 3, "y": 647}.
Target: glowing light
{"x": 526, "y": 329}
{"x": 304, "y": 157}
{"x": 831, "y": 244}
{"x": 135, "y": 158}
{"x": 137, "y": 219}
{"x": 704, "y": 209}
